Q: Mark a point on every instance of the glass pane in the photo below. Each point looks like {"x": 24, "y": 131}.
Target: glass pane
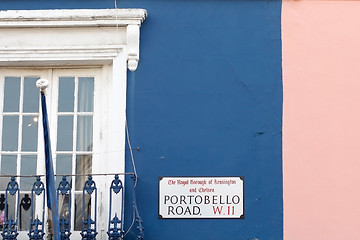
{"x": 63, "y": 167}
{"x": 11, "y": 94}
{"x": 86, "y": 94}
{"x": 65, "y": 133}
{"x": 11, "y": 206}
{"x": 64, "y": 206}
{"x": 8, "y": 167}
{"x": 25, "y": 211}
{"x": 78, "y": 210}
{"x": 83, "y": 166}
{"x": 29, "y": 133}
{"x": 31, "y": 95}
{"x": 84, "y": 133}
{"x": 10, "y": 133}
{"x": 28, "y": 167}
{"x": 66, "y": 94}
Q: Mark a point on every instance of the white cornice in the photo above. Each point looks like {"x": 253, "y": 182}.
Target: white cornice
{"x": 71, "y": 18}
{"x": 26, "y": 56}
{"x": 34, "y": 37}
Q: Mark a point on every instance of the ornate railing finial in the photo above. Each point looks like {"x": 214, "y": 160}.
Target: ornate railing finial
{"x": 64, "y": 190}
{"x": 116, "y": 225}
{"x": 10, "y": 228}
{"x": 88, "y": 226}
{"x": 36, "y": 231}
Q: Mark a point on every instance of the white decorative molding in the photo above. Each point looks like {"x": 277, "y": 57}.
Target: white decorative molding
{"x": 133, "y": 37}
{"x": 69, "y": 37}
{"x": 72, "y": 18}
{"x": 50, "y": 56}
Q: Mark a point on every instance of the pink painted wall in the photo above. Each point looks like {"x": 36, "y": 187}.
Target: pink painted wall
{"x": 321, "y": 131}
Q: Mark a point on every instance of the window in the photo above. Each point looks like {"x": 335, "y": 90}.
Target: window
{"x": 74, "y": 146}
{"x": 85, "y": 55}
{"x": 72, "y": 122}
{"x": 19, "y": 144}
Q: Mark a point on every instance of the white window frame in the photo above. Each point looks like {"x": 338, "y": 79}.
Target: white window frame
{"x": 78, "y": 38}
{"x": 99, "y": 152}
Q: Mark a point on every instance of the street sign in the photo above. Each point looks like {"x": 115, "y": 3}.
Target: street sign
{"x": 201, "y": 197}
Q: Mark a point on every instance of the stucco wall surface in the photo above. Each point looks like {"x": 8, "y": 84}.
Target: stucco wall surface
{"x": 206, "y": 100}
{"x": 321, "y": 58}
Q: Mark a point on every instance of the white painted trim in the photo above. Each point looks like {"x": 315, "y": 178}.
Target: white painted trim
{"x": 69, "y": 37}
{"x": 71, "y": 18}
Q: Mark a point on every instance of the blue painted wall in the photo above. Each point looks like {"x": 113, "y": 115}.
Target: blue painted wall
{"x": 206, "y": 100}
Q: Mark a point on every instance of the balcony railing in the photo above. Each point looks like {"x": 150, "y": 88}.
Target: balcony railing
{"x": 18, "y": 208}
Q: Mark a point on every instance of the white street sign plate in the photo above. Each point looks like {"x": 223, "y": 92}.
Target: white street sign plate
{"x": 201, "y": 197}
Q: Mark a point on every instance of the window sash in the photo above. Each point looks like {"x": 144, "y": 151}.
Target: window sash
{"x": 52, "y": 97}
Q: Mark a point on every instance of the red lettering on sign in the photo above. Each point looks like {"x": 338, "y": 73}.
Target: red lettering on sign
{"x": 217, "y": 209}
